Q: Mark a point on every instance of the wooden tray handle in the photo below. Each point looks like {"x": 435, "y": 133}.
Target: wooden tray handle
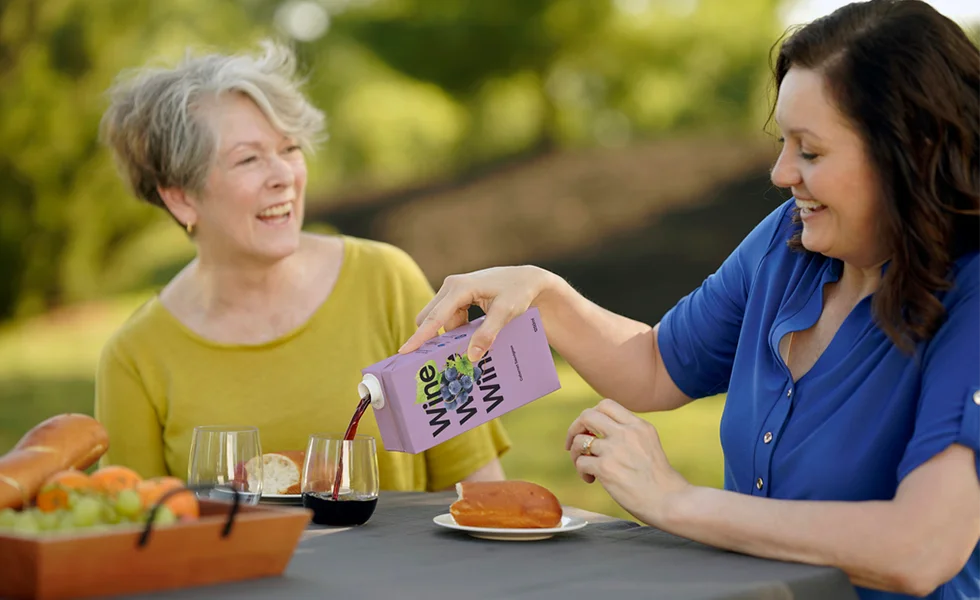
{"x": 225, "y": 532}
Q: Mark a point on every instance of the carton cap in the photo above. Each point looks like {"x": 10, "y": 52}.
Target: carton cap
{"x": 371, "y": 387}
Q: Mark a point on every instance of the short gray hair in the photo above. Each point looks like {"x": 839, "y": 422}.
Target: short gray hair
{"x": 154, "y": 130}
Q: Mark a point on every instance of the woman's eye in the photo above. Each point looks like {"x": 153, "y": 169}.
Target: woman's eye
{"x": 246, "y": 160}
{"x": 808, "y": 156}
{"x": 293, "y": 148}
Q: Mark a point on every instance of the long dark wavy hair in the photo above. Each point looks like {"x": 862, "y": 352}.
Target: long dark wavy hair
{"x": 908, "y": 81}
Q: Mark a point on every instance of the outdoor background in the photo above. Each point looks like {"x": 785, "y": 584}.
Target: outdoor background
{"x": 617, "y": 142}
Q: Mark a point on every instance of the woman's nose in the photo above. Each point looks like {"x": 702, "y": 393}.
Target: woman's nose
{"x": 784, "y": 173}
{"x": 282, "y": 174}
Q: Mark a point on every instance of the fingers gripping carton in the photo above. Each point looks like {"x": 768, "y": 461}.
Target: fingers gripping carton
{"x": 426, "y": 397}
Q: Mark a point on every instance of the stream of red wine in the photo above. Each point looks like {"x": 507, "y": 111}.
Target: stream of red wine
{"x": 349, "y": 435}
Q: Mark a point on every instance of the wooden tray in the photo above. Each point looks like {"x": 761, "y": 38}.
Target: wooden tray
{"x": 260, "y": 543}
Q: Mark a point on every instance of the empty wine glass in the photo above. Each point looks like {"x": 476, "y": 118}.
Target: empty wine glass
{"x": 225, "y": 459}
{"x": 346, "y": 500}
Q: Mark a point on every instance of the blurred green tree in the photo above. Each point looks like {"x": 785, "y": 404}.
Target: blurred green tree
{"x": 63, "y": 212}
{"x": 416, "y": 88}
{"x": 413, "y": 89}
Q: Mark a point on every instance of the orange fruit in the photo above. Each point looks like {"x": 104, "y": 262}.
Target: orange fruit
{"x": 112, "y": 479}
{"x": 56, "y": 489}
{"x": 182, "y": 504}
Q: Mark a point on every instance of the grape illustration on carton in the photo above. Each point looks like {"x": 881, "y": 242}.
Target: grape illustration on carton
{"x": 456, "y": 381}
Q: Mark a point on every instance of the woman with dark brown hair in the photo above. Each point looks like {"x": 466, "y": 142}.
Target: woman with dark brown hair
{"x": 845, "y": 328}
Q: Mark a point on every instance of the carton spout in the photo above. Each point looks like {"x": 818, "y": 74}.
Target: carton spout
{"x": 370, "y": 387}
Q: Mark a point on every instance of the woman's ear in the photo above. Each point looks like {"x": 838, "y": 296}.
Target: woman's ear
{"x": 179, "y": 205}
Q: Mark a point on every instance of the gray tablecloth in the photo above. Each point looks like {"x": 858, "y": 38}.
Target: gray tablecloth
{"x": 401, "y": 554}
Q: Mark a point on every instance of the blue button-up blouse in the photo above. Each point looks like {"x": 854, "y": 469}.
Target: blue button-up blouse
{"x": 862, "y": 418}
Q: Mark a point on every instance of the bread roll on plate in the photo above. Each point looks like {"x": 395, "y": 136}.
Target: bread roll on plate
{"x": 505, "y": 505}
{"x": 282, "y": 472}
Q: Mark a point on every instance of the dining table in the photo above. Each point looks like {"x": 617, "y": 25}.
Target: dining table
{"x": 401, "y": 553}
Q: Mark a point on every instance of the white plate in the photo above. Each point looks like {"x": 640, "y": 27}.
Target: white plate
{"x": 511, "y": 535}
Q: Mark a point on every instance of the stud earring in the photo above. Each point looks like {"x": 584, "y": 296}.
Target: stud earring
{"x": 190, "y": 228}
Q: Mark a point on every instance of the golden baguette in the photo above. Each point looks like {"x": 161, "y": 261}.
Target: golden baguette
{"x": 62, "y": 442}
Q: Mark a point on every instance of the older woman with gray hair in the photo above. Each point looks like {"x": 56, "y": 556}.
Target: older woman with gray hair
{"x": 268, "y": 325}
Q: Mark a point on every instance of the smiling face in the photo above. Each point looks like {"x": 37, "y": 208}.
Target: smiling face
{"x": 251, "y": 206}
{"x": 825, "y": 165}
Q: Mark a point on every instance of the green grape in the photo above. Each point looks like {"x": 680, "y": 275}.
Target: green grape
{"x": 110, "y": 514}
{"x": 138, "y": 518}
{"x": 164, "y": 517}
{"x": 128, "y": 503}
{"x": 26, "y": 523}
{"x": 8, "y": 517}
{"x": 66, "y": 520}
{"x": 86, "y": 511}
{"x": 49, "y": 521}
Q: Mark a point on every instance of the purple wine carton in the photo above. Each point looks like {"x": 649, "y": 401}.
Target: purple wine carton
{"x": 426, "y": 397}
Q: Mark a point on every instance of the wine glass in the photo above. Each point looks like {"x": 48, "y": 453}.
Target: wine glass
{"x": 340, "y": 479}
{"x": 224, "y": 458}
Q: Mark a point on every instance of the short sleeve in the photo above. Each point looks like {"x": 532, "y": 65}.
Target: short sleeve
{"x": 949, "y": 395}
{"x": 457, "y": 458}
{"x": 699, "y": 335}
{"x": 410, "y": 292}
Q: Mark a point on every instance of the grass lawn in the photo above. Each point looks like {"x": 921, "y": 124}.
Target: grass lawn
{"x": 47, "y": 366}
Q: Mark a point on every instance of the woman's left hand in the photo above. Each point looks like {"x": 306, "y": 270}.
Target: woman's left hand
{"x": 626, "y": 456}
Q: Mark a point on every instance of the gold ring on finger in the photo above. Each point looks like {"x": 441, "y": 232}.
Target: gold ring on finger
{"x": 587, "y": 444}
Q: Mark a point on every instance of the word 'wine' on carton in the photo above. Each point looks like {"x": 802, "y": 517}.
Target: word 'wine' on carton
{"x": 426, "y": 397}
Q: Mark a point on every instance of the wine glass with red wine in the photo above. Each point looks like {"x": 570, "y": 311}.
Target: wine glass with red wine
{"x": 340, "y": 479}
